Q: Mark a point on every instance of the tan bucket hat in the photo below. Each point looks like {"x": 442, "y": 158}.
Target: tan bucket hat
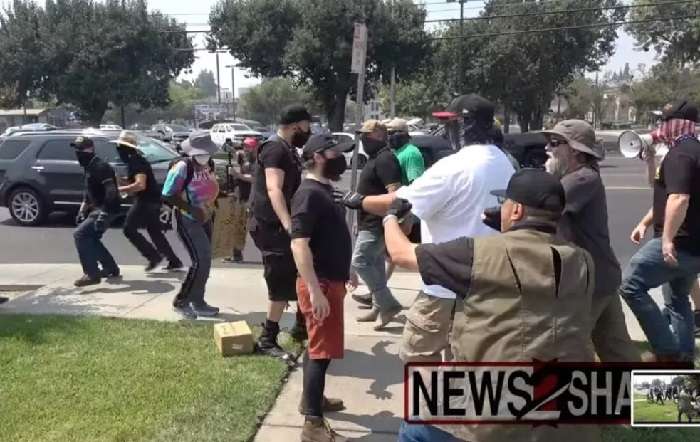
{"x": 578, "y": 134}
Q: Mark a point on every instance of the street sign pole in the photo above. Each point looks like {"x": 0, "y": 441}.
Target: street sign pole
{"x": 359, "y": 56}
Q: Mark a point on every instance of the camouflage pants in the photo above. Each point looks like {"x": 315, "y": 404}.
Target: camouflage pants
{"x": 240, "y": 230}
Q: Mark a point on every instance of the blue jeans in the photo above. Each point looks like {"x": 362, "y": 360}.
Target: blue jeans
{"x": 369, "y": 261}
{"x": 196, "y": 238}
{"x": 91, "y": 251}
{"x": 423, "y": 433}
{"x": 648, "y": 270}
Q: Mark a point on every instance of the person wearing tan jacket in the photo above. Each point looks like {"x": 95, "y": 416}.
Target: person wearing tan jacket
{"x": 522, "y": 295}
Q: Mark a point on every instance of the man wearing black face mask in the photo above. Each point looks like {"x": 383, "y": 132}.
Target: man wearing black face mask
{"x": 145, "y": 212}
{"x": 381, "y": 175}
{"x": 99, "y": 208}
{"x": 277, "y": 176}
{"x": 322, "y": 250}
{"x": 409, "y": 156}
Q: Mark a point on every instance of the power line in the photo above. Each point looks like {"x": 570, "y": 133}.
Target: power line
{"x": 566, "y": 28}
{"x": 563, "y": 11}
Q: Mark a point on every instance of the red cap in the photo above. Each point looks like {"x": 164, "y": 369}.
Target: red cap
{"x": 250, "y": 143}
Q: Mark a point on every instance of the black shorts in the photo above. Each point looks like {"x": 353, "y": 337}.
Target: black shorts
{"x": 280, "y": 270}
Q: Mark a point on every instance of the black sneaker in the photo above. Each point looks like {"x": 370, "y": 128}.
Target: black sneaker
{"x": 85, "y": 281}
{"x": 185, "y": 312}
{"x": 205, "y": 310}
{"x": 267, "y": 345}
{"x": 174, "y": 266}
{"x": 152, "y": 264}
{"x": 365, "y": 300}
{"x": 236, "y": 258}
{"x": 111, "y": 275}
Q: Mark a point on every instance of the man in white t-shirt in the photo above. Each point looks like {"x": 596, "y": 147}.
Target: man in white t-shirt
{"x": 449, "y": 199}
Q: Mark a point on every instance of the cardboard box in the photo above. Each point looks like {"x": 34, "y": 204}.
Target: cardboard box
{"x": 233, "y": 338}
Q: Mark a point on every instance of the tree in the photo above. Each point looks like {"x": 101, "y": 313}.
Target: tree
{"x": 21, "y": 64}
{"x": 523, "y": 71}
{"x": 264, "y": 102}
{"x": 419, "y": 96}
{"x": 665, "y": 83}
{"x": 677, "y": 40}
{"x": 93, "y": 54}
{"x": 310, "y": 41}
{"x": 206, "y": 83}
{"x": 580, "y": 95}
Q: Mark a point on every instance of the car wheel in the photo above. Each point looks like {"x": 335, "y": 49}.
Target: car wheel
{"x": 26, "y": 207}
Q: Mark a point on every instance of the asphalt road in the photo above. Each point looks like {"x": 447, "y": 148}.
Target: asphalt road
{"x": 625, "y": 180}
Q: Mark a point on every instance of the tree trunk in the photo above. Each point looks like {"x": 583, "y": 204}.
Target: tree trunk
{"x": 524, "y": 122}
{"x": 93, "y": 116}
{"x": 506, "y": 120}
{"x": 123, "y": 116}
{"x": 335, "y": 112}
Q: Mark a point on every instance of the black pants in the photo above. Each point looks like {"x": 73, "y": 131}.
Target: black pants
{"x": 147, "y": 215}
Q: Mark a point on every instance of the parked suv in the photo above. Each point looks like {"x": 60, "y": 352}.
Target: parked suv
{"x": 40, "y": 174}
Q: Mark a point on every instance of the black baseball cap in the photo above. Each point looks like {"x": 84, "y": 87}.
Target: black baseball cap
{"x": 535, "y": 188}
{"x": 82, "y": 142}
{"x": 294, "y": 113}
{"x": 322, "y": 143}
{"x": 681, "y": 110}
{"x": 473, "y": 106}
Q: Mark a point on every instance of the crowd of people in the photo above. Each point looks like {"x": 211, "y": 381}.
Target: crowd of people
{"x": 516, "y": 263}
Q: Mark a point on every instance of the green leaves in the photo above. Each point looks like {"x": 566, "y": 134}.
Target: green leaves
{"x": 91, "y": 54}
{"x": 310, "y": 41}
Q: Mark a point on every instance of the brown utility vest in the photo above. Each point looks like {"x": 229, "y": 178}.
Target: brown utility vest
{"x": 514, "y": 313}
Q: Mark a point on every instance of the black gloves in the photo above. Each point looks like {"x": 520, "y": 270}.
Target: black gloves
{"x": 353, "y": 200}
{"x": 492, "y": 217}
{"x": 399, "y": 208}
{"x": 101, "y": 222}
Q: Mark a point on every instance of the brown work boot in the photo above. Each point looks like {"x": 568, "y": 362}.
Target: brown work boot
{"x": 329, "y": 405}
{"x": 371, "y": 316}
{"x": 385, "y": 317}
{"x": 317, "y": 429}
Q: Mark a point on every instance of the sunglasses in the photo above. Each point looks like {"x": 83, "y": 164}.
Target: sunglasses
{"x": 556, "y": 143}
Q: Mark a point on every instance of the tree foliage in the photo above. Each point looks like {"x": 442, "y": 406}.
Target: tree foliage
{"x": 677, "y": 40}
{"x": 418, "y": 96}
{"x": 264, "y": 102}
{"x": 92, "y": 54}
{"x": 665, "y": 83}
{"x": 206, "y": 83}
{"x": 310, "y": 41}
{"x": 523, "y": 71}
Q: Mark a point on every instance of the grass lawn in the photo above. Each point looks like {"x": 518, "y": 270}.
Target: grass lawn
{"x": 95, "y": 379}
{"x": 647, "y": 412}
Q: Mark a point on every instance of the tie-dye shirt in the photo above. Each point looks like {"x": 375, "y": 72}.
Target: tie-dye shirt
{"x": 201, "y": 192}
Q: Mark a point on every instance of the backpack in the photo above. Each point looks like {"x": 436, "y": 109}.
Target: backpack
{"x": 190, "y": 168}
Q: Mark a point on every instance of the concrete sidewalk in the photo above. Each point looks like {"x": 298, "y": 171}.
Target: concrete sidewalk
{"x": 369, "y": 379}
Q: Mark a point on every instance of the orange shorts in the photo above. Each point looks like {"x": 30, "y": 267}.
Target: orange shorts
{"x": 326, "y": 339}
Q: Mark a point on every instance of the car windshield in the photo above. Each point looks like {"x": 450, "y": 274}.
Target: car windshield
{"x": 240, "y": 127}
{"x": 155, "y": 151}
{"x": 178, "y": 128}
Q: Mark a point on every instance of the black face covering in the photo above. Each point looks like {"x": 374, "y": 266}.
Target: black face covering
{"x": 398, "y": 140}
{"x": 372, "y": 146}
{"x": 300, "y": 138}
{"x": 124, "y": 153}
{"x": 84, "y": 158}
{"x": 334, "y": 168}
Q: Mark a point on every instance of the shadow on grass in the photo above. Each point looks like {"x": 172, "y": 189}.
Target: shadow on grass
{"x": 39, "y": 329}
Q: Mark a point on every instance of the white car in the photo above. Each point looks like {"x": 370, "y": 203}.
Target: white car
{"x": 237, "y": 132}
{"x": 110, "y": 127}
{"x": 344, "y": 137}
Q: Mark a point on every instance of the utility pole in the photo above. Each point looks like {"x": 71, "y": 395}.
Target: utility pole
{"x": 460, "y": 82}
{"x": 392, "y": 90}
{"x": 233, "y": 89}
{"x": 218, "y": 82}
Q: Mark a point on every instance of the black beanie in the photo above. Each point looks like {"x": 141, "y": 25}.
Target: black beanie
{"x": 294, "y": 113}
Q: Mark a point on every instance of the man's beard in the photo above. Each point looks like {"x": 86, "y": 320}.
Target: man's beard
{"x": 556, "y": 166}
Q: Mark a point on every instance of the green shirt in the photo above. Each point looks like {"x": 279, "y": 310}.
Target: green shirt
{"x": 411, "y": 161}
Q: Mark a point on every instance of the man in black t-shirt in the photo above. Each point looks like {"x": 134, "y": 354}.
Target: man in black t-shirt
{"x": 322, "y": 250}
{"x": 277, "y": 176}
{"x": 99, "y": 208}
{"x": 673, "y": 256}
{"x": 381, "y": 175}
{"x": 145, "y": 212}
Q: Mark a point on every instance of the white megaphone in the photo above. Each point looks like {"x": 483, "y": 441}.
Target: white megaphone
{"x": 632, "y": 145}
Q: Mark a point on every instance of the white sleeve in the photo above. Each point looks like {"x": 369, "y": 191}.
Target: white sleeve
{"x": 428, "y": 194}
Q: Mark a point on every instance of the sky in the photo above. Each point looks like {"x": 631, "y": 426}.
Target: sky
{"x": 196, "y": 15}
